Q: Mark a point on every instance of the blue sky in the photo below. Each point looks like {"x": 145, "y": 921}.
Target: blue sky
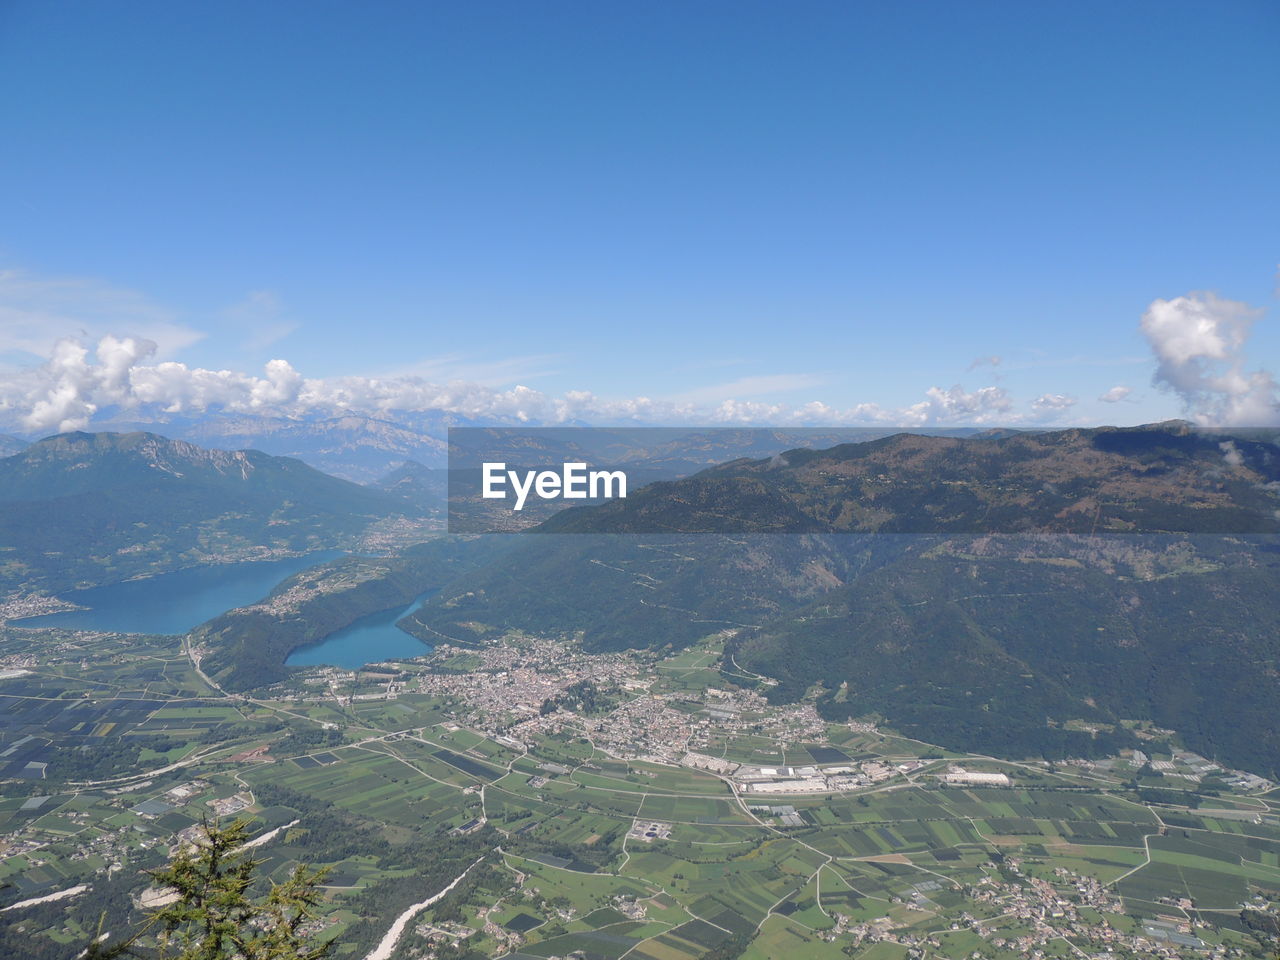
{"x": 691, "y": 202}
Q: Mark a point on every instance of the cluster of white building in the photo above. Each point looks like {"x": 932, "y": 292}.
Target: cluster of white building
{"x": 815, "y": 779}
{"x": 975, "y": 777}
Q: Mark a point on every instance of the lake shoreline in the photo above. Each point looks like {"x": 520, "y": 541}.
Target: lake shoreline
{"x": 174, "y": 602}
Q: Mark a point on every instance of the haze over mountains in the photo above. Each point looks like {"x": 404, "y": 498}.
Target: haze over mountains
{"x": 365, "y": 448}
{"x": 89, "y": 508}
{"x": 1019, "y": 594}
{"x": 353, "y": 446}
{"x": 1161, "y": 478}
{"x": 1012, "y": 594}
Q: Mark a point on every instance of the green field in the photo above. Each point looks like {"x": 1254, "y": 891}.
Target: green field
{"x": 379, "y": 790}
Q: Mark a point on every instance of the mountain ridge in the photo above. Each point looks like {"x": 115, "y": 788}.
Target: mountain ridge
{"x": 1155, "y": 478}
{"x": 812, "y": 609}
{"x": 85, "y": 509}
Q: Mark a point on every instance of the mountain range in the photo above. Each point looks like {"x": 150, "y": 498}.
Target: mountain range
{"x": 1014, "y": 594}
{"x": 356, "y": 447}
{"x": 10, "y": 445}
{"x": 82, "y": 509}
{"x": 1162, "y": 478}
{"x": 364, "y": 448}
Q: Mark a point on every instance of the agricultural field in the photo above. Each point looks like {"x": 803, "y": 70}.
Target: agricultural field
{"x": 571, "y": 843}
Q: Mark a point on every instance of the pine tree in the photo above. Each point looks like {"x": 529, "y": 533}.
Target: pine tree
{"x": 216, "y": 916}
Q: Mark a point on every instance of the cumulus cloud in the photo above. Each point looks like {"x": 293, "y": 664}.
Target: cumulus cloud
{"x": 992, "y": 361}
{"x": 1052, "y": 403}
{"x": 79, "y": 383}
{"x": 69, "y": 389}
{"x": 956, "y": 405}
{"x": 1199, "y": 345}
{"x": 1116, "y": 394}
{"x": 75, "y": 383}
{"x": 1231, "y": 453}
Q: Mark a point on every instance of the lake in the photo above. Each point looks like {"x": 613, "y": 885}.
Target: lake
{"x": 175, "y": 602}
{"x": 370, "y": 639}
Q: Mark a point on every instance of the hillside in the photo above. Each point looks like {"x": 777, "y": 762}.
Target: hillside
{"x": 423, "y": 487}
{"x": 82, "y": 509}
{"x": 994, "y": 645}
{"x": 10, "y": 445}
{"x": 1160, "y": 478}
{"x": 991, "y": 593}
{"x": 353, "y": 447}
{"x": 246, "y": 648}
{"x": 641, "y": 591}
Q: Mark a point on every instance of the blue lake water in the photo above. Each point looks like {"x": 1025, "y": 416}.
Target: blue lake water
{"x": 176, "y": 602}
{"x": 370, "y": 639}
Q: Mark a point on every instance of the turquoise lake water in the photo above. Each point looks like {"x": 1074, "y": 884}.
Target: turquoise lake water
{"x": 370, "y": 639}
{"x": 176, "y": 602}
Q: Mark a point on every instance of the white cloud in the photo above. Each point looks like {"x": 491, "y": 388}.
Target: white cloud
{"x": 69, "y": 389}
{"x": 1231, "y": 453}
{"x": 992, "y": 361}
{"x": 1198, "y": 341}
{"x": 79, "y": 382}
{"x": 956, "y": 405}
{"x": 747, "y": 411}
{"x": 1116, "y": 394}
{"x": 1051, "y": 404}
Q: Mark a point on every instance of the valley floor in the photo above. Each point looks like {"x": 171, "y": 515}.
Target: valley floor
{"x": 640, "y": 806}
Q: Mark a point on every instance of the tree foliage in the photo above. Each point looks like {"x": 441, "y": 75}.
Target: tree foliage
{"x": 218, "y": 914}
